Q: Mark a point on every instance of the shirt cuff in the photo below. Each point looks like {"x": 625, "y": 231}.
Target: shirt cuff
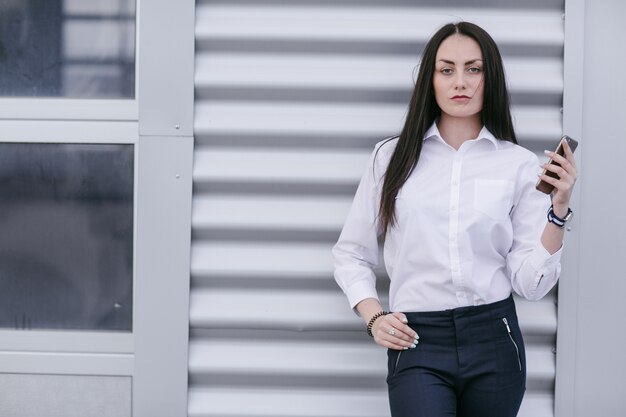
{"x": 541, "y": 258}
{"x": 358, "y": 292}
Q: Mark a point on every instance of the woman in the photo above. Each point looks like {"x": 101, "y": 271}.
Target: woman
{"x": 454, "y": 198}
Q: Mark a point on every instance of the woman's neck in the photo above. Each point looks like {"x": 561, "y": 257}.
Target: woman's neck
{"x": 456, "y": 130}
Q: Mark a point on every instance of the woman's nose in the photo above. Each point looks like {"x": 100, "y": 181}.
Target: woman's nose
{"x": 459, "y": 81}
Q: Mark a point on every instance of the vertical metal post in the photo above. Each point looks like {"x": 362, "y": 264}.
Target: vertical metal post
{"x": 573, "y": 61}
{"x": 165, "y": 99}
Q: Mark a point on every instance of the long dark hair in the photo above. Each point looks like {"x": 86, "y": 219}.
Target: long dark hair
{"x": 423, "y": 111}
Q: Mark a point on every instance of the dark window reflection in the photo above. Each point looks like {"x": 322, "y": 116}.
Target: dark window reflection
{"x": 67, "y": 48}
{"x": 66, "y": 236}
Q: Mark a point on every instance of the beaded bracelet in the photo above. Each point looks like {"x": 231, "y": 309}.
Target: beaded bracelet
{"x": 370, "y": 323}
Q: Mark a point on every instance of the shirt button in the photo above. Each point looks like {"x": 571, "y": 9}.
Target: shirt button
{"x": 453, "y": 208}
{"x": 455, "y": 182}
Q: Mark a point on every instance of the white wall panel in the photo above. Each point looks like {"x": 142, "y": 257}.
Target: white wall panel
{"x": 292, "y": 310}
{"x": 376, "y": 72}
{"x": 291, "y": 96}
{"x": 334, "y": 363}
{"x": 306, "y": 213}
{"x": 372, "y": 24}
{"x": 216, "y": 402}
{"x": 257, "y": 164}
{"x": 264, "y": 260}
{"x": 35, "y": 395}
{"x": 379, "y": 120}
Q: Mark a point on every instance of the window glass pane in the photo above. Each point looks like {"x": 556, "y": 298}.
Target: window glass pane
{"x": 66, "y": 236}
{"x": 67, "y": 48}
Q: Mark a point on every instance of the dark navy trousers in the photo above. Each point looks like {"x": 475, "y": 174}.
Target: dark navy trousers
{"x": 470, "y": 362}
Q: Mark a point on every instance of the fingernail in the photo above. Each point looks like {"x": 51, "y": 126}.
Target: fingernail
{"x": 547, "y": 152}
{"x": 405, "y": 320}
{"x": 417, "y": 336}
{"x": 413, "y": 346}
{"x": 405, "y": 348}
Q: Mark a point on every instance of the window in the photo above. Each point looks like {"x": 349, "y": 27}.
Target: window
{"x": 67, "y": 48}
{"x": 66, "y": 236}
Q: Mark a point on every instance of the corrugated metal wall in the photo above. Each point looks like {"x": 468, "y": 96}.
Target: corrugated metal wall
{"x": 290, "y": 98}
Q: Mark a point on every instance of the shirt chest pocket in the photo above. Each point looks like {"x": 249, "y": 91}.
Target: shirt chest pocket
{"x": 493, "y": 197}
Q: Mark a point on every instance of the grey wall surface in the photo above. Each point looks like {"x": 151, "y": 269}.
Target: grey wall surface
{"x": 290, "y": 98}
{"x": 600, "y": 363}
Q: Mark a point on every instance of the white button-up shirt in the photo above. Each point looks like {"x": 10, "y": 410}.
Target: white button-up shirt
{"x": 467, "y": 232}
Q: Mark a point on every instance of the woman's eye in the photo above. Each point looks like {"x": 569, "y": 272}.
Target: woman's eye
{"x": 474, "y": 70}
{"x": 446, "y": 71}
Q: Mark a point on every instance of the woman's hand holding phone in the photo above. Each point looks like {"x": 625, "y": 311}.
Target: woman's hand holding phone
{"x": 567, "y": 173}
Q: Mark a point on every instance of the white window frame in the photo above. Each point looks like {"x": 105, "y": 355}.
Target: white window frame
{"x": 159, "y": 123}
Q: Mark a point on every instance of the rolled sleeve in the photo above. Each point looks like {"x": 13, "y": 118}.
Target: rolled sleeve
{"x": 546, "y": 270}
{"x": 356, "y": 253}
{"x": 533, "y": 270}
{"x": 542, "y": 260}
{"x": 359, "y": 291}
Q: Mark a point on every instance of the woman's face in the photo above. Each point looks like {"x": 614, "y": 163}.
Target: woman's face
{"x": 458, "y": 78}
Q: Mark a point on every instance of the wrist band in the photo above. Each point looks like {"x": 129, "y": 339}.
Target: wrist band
{"x": 370, "y": 323}
{"x": 556, "y": 220}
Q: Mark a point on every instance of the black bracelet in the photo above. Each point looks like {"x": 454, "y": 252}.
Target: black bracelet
{"x": 370, "y": 323}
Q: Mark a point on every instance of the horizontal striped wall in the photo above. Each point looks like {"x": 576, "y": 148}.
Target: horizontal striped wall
{"x": 291, "y": 96}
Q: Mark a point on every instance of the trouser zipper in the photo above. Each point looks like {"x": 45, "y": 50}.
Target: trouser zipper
{"x": 395, "y": 368}
{"x": 508, "y": 329}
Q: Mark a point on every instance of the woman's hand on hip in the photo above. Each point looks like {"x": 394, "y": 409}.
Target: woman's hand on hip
{"x": 391, "y": 331}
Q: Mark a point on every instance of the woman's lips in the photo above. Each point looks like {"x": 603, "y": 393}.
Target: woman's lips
{"x": 461, "y": 99}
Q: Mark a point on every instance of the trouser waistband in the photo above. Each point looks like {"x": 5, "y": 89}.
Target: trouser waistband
{"x": 501, "y": 308}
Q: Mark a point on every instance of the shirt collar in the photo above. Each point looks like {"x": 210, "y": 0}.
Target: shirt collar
{"x": 433, "y": 132}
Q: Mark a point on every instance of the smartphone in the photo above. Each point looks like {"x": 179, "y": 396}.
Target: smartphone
{"x": 543, "y": 186}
